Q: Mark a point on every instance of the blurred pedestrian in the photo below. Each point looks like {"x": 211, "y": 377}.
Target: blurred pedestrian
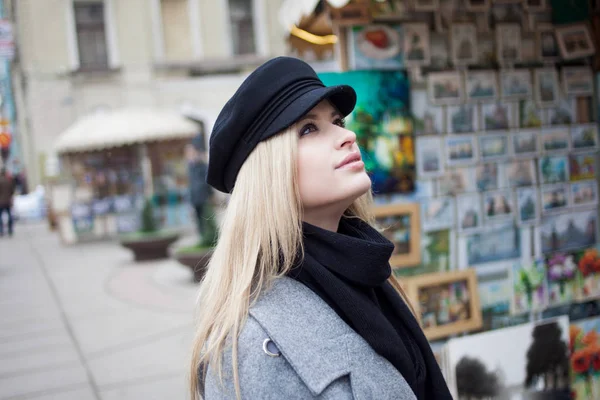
{"x": 7, "y": 191}
{"x": 298, "y": 301}
{"x": 200, "y": 191}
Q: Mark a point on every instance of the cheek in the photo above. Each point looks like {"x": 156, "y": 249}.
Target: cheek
{"x": 314, "y": 176}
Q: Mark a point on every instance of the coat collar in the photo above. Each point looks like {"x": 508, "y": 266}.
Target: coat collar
{"x": 309, "y": 334}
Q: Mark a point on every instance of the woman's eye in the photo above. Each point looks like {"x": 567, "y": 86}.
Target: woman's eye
{"x": 308, "y": 128}
{"x": 340, "y": 122}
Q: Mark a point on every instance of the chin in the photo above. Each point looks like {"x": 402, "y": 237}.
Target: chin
{"x": 360, "y": 185}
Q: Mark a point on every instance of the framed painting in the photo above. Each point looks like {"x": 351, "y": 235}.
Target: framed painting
{"x": 383, "y": 125}
{"x": 401, "y": 225}
{"x": 445, "y": 303}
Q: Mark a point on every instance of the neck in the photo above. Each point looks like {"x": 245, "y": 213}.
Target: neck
{"x": 323, "y": 219}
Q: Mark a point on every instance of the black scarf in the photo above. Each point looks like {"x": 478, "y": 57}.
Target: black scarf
{"x": 349, "y": 269}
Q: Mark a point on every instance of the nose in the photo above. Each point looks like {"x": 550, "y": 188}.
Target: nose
{"x": 347, "y": 138}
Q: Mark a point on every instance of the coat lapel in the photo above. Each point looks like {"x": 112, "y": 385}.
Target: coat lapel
{"x": 307, "y": 332}
{"x": 316, "y": 342}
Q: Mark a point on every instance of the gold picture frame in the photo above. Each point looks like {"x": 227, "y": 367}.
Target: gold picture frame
{"x": 391, "y": 218}
{"x": 428, "y": 292}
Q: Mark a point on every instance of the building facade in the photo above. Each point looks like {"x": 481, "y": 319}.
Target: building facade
{"x": 77, "y": 57}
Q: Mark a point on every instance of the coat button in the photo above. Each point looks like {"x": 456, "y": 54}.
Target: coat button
{"x": 270, "y": 348}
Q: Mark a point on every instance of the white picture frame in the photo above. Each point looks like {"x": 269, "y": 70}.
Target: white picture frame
{"x": 508, "y": 43}
{"x": 416, "y": 54}
{"x": 546, "y": 87}
{"x": 463, "y": 37}
{"x": 445, "y": 88}
{"x": 481, "y": 86}
{"x": 577, "y": 81}
{"x": 575, "y": 41}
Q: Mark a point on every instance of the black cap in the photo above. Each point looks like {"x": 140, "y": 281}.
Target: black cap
{"x": 271, "y": 99}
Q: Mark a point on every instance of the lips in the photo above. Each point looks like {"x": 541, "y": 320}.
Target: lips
{"x": 350, "y": 158}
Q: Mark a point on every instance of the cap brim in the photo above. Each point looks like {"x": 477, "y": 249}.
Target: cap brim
{"x": 342, "y": 97}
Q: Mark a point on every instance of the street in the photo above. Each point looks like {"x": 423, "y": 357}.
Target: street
{"x": 86, "y": 322}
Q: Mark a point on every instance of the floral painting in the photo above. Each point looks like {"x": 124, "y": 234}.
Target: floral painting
{"x": 588, "y": 263}
{"x": 383, "y": 126}
{"x": 529, "y": 286}
{"x": 563, "y": 278}
{"x": 585, "y": 359}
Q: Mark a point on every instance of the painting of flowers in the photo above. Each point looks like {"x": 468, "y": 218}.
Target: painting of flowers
{"x": 529, "y": 286}
{"x": 563, "y": 278}
{"x": 585, "y": 359}
{"x": 588, "y": 263}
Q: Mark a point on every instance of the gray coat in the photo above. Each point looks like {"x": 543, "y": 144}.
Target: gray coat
{"x": 320, "y": 356}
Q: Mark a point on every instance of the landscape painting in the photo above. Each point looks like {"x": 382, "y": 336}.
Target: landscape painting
{"x": 568, "y": 231}
{"x": 529, "y": 361}
{"x": 585, "y": 351}
{"x": 383, "y": 125}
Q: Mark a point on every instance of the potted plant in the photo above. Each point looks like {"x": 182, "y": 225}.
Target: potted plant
{"x": 197, "y": 256}
{"x": 149, "y": 242}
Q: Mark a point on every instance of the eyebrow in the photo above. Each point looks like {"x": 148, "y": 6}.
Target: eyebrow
{"x": 315, "y": 116}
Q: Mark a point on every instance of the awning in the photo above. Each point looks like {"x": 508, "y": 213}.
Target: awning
{"x": 291, "y": 12}
{"x": 124, "y": 126}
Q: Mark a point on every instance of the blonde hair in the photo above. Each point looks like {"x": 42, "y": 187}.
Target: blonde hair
{"x": 253, "y": 250}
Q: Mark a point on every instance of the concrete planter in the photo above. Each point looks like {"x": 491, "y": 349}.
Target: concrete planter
{"x": 150, "y": 247}
{"x": 197, "y": 261}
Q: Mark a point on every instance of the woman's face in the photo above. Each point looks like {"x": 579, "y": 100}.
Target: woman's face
{"x": 330, "y": 170}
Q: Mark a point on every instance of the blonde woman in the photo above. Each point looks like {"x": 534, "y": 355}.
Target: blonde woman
{"x": 298, "y": 301}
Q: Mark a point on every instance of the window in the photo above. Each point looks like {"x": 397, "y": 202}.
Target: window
{"x": 242, "y": 27}
{"x": 91, "y": 35}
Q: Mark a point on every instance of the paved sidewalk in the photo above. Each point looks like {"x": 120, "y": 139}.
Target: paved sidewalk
{"x": 86, "y": 323}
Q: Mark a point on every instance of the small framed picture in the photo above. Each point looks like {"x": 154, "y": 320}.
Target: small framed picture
{"x": 562, "y": 113}
{"x": 445, "y": 88}
{"x": 493, "y": 147}
{"x": 527, "y": 206}
{"x": 546, "y": 43}
{"x": 416, "y": 45}
{"x": 455, "y": 181}
{"x": 515, "y": 84}
{"x": 478, "y": 5}
{"x": 440, "y": 55}
{"x": 445, "y": 302}
{"x": 529, "y": 52}
{"x": 520, "y": 173}
{"x": 426, "y": 5}
{"x": 497, "y": 116}
{"x": 464, "y": 43}
{"x": 534, "y": 5}
{"x": 487, "y": 50}
{"x": 584, "y": 193}
{"x": 578, "y": 81}
{"x": 462, "y": 119}
{"x": 488, "y": 177}
{"x": 546, "y": 87}
{"x": 530, "y": 115}
{"x": 375, "y": 46}
{"x": 438, "y": 213}
{"x": 553, "y": 169}
{"x": 583, "y": 166}
{"x": 508, "y": 43}
{"x": 554, "y": 140}
{"x": 497, "y": 205}
{"x": 584, "y": 137}
{"x": 430, "y": 157}
{"x": 554, "y": 198}
{"x": 469, "y": 214}
{"x": 525, "y": 143}
{"x": 461, "y": 150}
{"x": 427, "y": 120}
{"x": 401, "y": 225}
{"x": 575, "y": 41}
{"x": 481, "y": 86}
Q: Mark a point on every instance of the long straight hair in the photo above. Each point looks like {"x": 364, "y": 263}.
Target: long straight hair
{"x": 260, "y": 238}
